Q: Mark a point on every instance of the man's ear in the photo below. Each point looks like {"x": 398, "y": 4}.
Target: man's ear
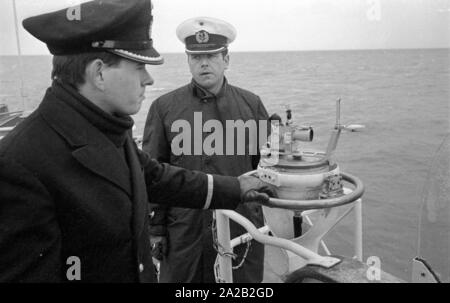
{"x": 226, "y": 59}
{"x": 94, "y": 74}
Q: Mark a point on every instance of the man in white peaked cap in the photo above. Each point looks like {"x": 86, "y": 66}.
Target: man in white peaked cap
{"x": 182, "y": 238}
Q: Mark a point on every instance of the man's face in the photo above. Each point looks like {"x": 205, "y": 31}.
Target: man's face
{"x": 125, "y": 87}
{"x": 208, "y": 70}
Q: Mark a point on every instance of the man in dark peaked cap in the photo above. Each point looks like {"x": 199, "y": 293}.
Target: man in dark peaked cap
{"x": 74, "y": 188}
{"x": 182, "y": 238}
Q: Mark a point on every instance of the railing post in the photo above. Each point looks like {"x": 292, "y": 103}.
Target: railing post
{"x": 224, "y": 245}
{"x": 358, "y": 230}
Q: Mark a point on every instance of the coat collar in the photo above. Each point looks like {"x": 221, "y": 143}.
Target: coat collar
{"x": 204, "y": 94}
{"x": 91, "y": 148}
{"x": 139, "y": 188}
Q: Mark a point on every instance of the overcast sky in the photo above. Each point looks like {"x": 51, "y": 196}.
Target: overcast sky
{"x": 265, "y": 25}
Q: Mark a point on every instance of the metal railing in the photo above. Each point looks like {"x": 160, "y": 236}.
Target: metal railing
{"x": 302, "y": 250}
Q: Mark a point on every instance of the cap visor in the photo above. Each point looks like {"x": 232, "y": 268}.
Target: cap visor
{"x": 146, "y": 56}
{"x": 204, "y": 51}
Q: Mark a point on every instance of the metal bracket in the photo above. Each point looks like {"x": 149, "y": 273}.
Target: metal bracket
{"x": 332, "y": 186}
{"x": 270, "y": 177}
{"x": 325, "y": 262}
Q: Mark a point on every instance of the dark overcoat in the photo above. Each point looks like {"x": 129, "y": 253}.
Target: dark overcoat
{"x": 191, "y": 253}
{"x": 65, "y": 191}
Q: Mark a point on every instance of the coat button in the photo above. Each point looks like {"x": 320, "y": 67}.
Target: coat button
{"x": 141, "y": 267}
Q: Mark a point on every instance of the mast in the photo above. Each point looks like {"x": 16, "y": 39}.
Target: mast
{"x": 19, "y": 52}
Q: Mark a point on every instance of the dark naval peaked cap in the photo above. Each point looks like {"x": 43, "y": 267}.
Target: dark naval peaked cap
{"x": 205, "y": 35}
{"x": 120, "y": 27}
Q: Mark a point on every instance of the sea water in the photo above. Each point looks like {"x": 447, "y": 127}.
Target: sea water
{"x": 401, "y": 96}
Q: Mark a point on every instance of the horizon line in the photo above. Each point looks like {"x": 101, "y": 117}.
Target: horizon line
{"x": 284, "y": 51}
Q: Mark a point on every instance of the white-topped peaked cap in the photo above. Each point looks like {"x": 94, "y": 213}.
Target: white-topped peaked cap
{"x": 205, "y": 35}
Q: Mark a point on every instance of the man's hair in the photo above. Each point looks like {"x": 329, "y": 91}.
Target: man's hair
{"x": 225, "y": 52}
{"x": 70, "y": 69}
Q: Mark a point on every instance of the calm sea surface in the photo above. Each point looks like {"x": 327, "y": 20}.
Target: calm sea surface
{"x": 402, "y": 96}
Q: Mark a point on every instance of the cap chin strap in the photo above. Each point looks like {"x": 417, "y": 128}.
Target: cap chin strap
{"x": 199, "y": 52}
{"x": 111, "y": 44}
{"x": 136, "y": 57}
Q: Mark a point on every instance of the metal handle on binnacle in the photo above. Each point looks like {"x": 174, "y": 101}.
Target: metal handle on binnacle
{"x": 320, "y": 203}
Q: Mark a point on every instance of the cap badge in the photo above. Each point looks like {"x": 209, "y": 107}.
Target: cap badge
{"x": 202, "y": 37}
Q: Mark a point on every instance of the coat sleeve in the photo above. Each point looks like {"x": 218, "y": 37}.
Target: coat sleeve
{"x": 156, "y": 144}
{"x": 179, "y": 187}
{"x": 30, "y": 238}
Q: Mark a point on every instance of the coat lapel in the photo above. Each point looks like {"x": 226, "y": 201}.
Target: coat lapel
{"x": 106, "y": 162}
{"x": 91, "y": 148}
